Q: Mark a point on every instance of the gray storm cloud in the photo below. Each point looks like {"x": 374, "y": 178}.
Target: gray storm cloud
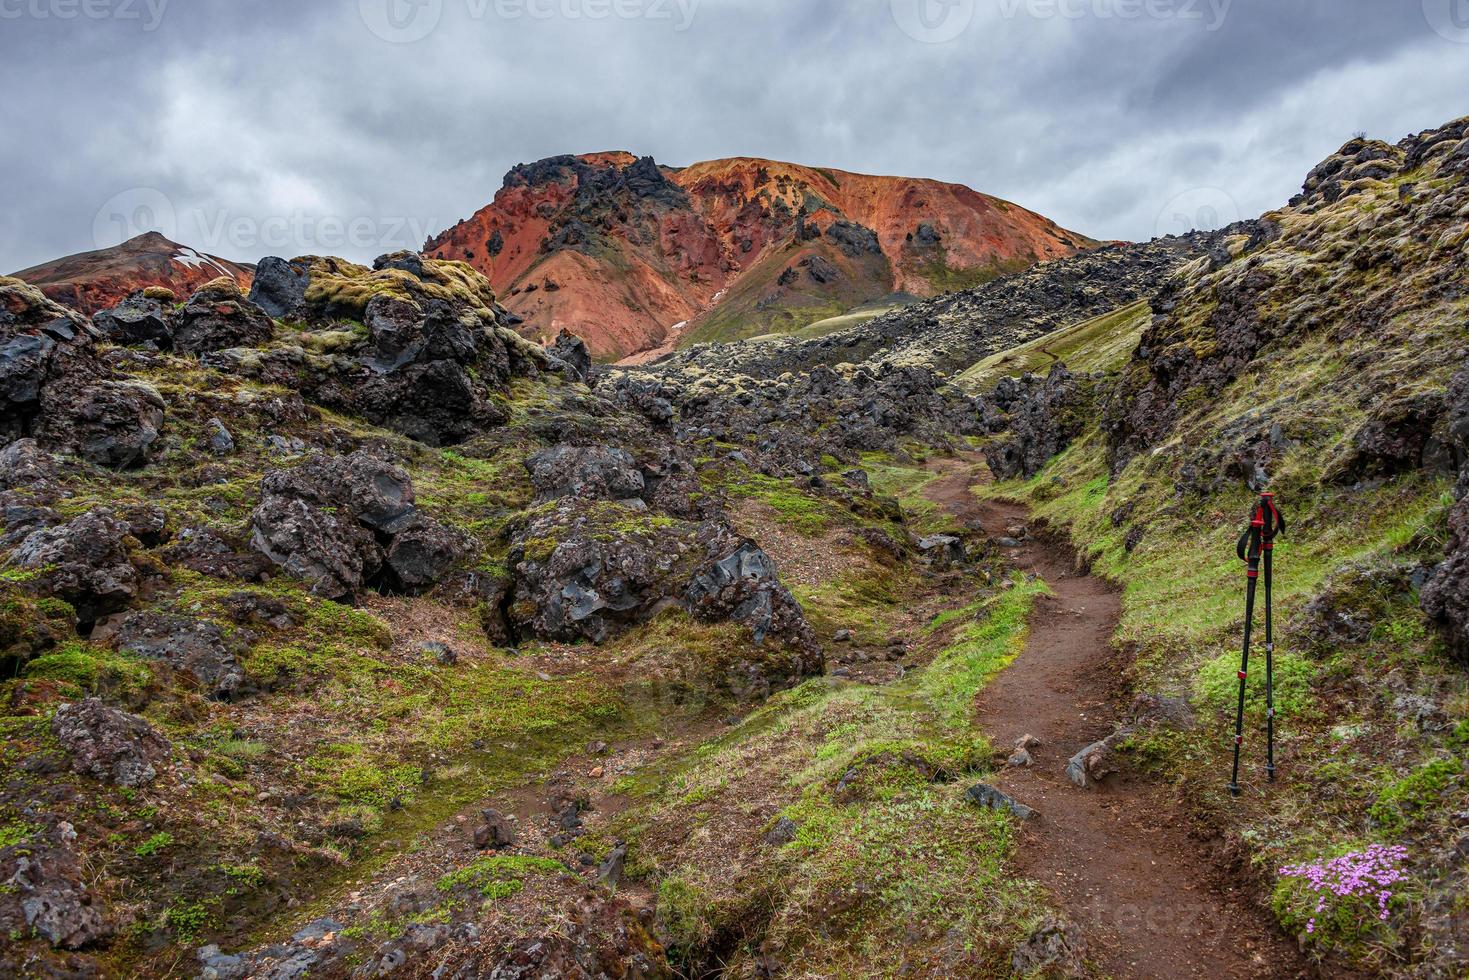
{"x": 356, "y": 126}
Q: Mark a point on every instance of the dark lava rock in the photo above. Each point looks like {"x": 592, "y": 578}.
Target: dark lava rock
{"x": 494, "y": 831}
{"x": 431, "y": 371}
{"x": 85, "y": 561}
{"x": 195, "y": 646}
{"x": 573, "y": 354}
{"x": 42, "y": 345}
{"x": 783, "y": 832}
{"x": 24, "y": 463}
{"x": 110, "y": 423}
{"x": 584, "y": 570}
{"x": 942, "y": 549}
{"x": 820, "y": 270}
{"x": 109, "y": 745}
{"x": 1445, "y": 596}
{"x": 421, "y": 551}
{"x": 47, "y": 895}
{"x": 218, "y": 317}
{"x": 609, "y": 872}
{"x": 202, "y": 550}
{"x": 1040, "y": 416}
{"x": 137, "y": 321}
{"x": 587, "y": 569}
{"x": 338, "y": 521}
{"x": 279, "y": 287}
{"x": 221, "y": 443}
{"x": 743, "y": 586}
{"x": 1054, "y": 948}
{"x": 1398, "y": 437}
{"x": 984, "y": 795}
{"x": 853, "y": 239}
{"x": 589, "y": 472}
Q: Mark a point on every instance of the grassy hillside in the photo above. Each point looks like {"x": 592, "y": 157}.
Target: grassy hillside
{"x": 1102, "y": 343}
{"x": 1373, "y": 712}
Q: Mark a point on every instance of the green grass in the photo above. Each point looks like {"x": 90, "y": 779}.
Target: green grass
{"x": 927, "y": 866}
{"x": 1103, "y": 343}
{"x": 498, "y": 877}
{"x": 1351, "y": 770}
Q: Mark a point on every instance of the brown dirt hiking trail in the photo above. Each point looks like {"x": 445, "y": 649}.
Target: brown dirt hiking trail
{"x": 1118, "y": 856}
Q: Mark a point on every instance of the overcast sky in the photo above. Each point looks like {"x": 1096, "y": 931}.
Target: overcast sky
{"x": 358, "y": 126}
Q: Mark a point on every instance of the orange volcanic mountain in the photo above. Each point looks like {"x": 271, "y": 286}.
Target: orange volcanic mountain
{"x": 631, "y": 255}
{"x": 99, "y": 280}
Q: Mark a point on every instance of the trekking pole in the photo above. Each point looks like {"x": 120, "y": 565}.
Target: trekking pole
{"x": 1248, "y": 550}
{"x": 1274, "y": 524}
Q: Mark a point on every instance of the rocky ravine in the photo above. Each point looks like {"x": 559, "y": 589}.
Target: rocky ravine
{"x": 346, "y": 632}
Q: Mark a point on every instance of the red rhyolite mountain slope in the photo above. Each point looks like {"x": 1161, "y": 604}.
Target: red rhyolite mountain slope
{"x": 99, "y": 280}
{"x": 623, "y": 251}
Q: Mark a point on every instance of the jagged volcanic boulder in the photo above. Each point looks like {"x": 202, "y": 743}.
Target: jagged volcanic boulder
{"x": 792, "y": 421}
{"x": 194, "y": 646}
{"x": 139, "y": 320}
{"x": 584, "y": 570}
{"x": 109, "y": 745}
{"x": 40, "y": 342}
{"x": 742, "y": 585}
{"x": 47, "y": 893}
{"x": 279, "y": 287}
{"x": 218, "y": 317}
{"x": 53, "y": 386}
{"x": 24, "y": 463}
{"x": 421, "y": 551}
{"x": 85, "y": 561}
{"x": 1397, "y": 437}
{"x": 1446, "y": 594}
{"x": 590, "y": 472}
{"x": 338, "y": 522}
{"x": 416, "y": 345}
{"x": 572, "y": 352}
{"x": 1040, "y": 417}
{"x": 204, "y": 550}
{"x": 115, "y": 424}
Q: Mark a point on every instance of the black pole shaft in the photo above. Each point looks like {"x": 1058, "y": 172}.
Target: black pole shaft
{"x": 1269, "y": 674}
{"x": 1244, "y": 667}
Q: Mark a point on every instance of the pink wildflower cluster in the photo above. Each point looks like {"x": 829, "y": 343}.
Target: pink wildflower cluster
{"x": 1355, "y": 873}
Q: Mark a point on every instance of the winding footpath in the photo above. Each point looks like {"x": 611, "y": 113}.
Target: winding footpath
{"x": 1118, "y": 856}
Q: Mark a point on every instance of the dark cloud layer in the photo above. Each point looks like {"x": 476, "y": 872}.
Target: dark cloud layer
{"x": 353, "y": 126}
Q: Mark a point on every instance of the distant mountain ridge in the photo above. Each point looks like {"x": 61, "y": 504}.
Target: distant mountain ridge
{"x": 630, "y": 254}
{"x": 99, "y": 280}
